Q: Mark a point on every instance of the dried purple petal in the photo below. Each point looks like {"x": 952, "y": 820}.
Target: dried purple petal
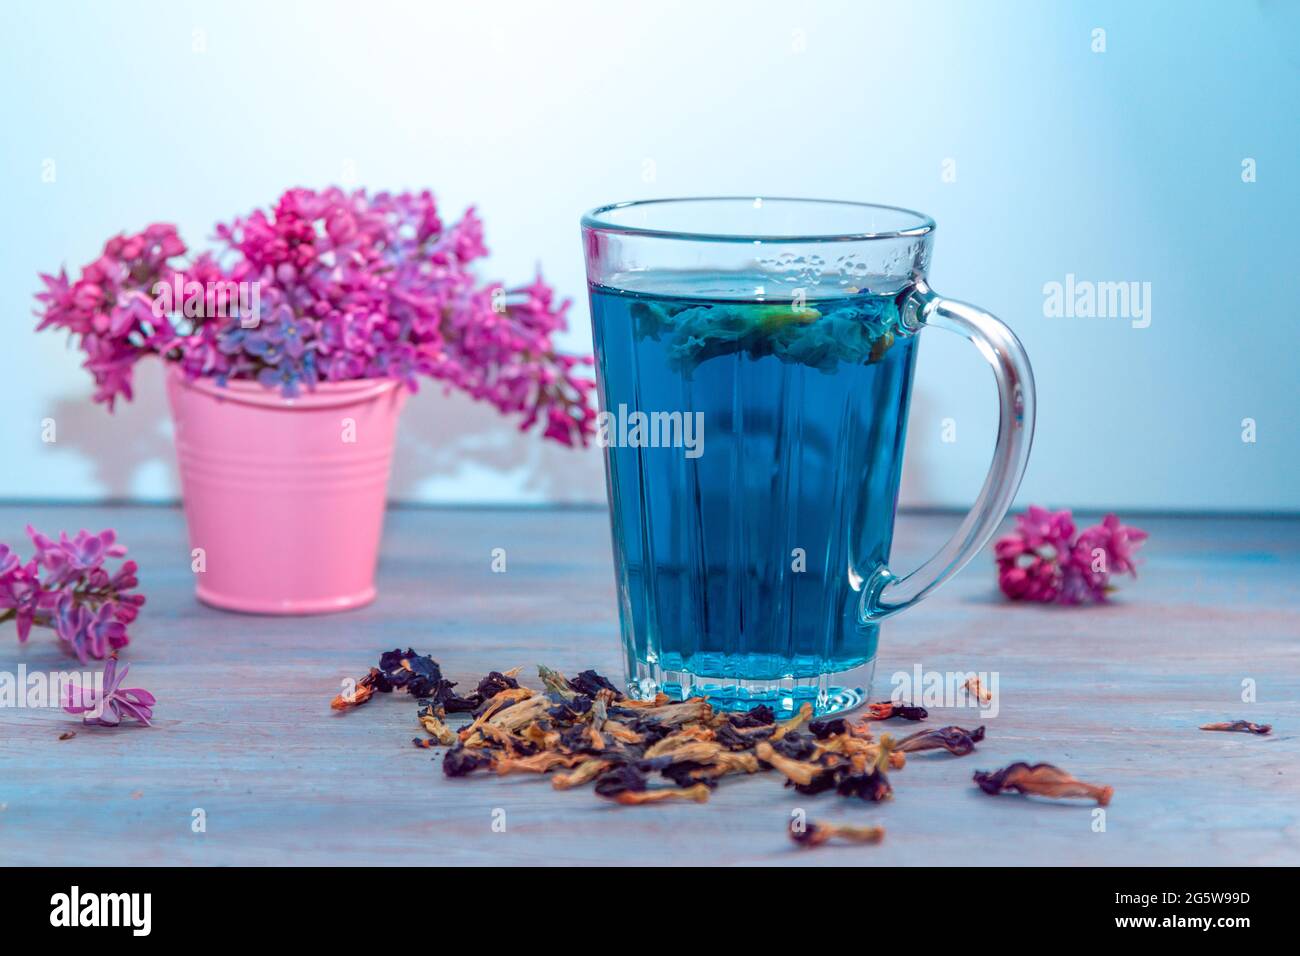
{"x": 871, "y": 785}
{"x": 796, "y": 746}
{"x": 821, "y": 729}
{"x": 591, "y": 683}
{"x": 760, "y": 716}
{"x": 460, "y": 761}
{"x": 1040, "y": 779}
{"x": 955, "y": 740}
{"x": 815, "y": 834}
{"x": 620, "y": 780}
{"x": 888, "y": 709}
{"x": 494, "y": 683}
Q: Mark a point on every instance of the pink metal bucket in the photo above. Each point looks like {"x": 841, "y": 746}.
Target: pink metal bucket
{"x": 284, "y": 497}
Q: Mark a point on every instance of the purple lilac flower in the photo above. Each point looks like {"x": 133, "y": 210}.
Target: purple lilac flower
{"x": 354, "y": 286}
{"x": 77, "y": 597}
{"x": 107, "y": 708}
{"x": 1042, "y": 559}
{"x": 21, "y": 596}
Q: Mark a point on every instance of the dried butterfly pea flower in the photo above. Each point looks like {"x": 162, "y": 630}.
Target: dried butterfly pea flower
{"x": 1239, "y": 726}
{"x": 798, "y": 772}
{"x": 451, "y": 703}
{"x": 499, "y": 703}
{"x": 794, "y": 723}
{"x": 815, "y": 834}
{"x": 699, "y": 793}
{"x": 955, "y": 740}
{"x": 977, "y": 689}
{"x": 583, "y": 731}
{"x": 723, "y": 763}
{"x": 1040, "y": 779}
{"x": 513, "y": 745}
{"x": 591, "y": 683}
{"x": 688, "y": 773}
{"x": 494, "y": 683}
{"x": 692, "y": 710}
{"x": 570, "y": 710}
{"x": 416, "y": 673}
{"x": 821, "y": 729}
{"x": 888, "y": 709}
{"x": 658, "y": 700}
{"x": 827, "y": 779}
{"x": 871, "y": 785}
{"x": 622, "y": 733}
{"x": 433, "y": 725}
{"x": 732, "y": 739}
{"x": 362, "y": 691}
{"x": 621, "y": 778}
{"x": 406, "y": 670}
{"x": 687, "y": 744}
{"x": 796, "y": 746}
{"x": 864, "y": 753}
{"x": 584, "y": 772}
{"x": 556, "y": 683}
{"x": 461, "y": 761}
{"x": 543, "y": 762}
{"x": 760, "y": 716}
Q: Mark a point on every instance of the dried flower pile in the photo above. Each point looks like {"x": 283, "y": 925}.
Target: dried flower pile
{"x": 66, "y": 587}
{"x": 582, "y": 731}
{"x": 1043, "y": 560}
{"x": 346, "y": 286}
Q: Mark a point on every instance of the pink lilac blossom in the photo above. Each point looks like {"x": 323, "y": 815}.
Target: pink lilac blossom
{"x": 113, "y": 702}
{"x": 1043, "y": 560}
{"x": 349, "y": 286}
{"x": 65, "y": 587}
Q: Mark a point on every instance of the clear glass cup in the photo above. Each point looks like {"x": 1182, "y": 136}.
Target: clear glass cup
{"x": 755, "y": 360}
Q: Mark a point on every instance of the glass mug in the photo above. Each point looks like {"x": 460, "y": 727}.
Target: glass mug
{"x": 754, "y": 366}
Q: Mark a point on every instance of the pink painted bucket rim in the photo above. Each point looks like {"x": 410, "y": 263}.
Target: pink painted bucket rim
{"x": 323, "y": 395}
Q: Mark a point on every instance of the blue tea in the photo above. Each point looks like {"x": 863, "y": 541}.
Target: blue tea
{"x": 753, "y": 450}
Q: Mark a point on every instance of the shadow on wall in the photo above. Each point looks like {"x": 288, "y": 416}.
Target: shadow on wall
{"x": 451, "y": 450}
{"x": 455, "y": 450}
{"x": 125, "y": 448}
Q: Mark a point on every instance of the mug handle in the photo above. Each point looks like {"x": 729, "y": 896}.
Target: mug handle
{"x": 884, "y": 595}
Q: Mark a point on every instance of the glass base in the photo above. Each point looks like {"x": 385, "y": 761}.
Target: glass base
{"x": 828, "y": 693}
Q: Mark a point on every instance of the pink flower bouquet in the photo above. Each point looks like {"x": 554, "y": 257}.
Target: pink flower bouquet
{"x": 326, "y": 287}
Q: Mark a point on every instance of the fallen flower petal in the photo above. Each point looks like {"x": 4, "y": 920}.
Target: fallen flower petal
{"x": 698, "y": 793}
{"x": 955, "y": 740}
{"x": 816, "y": 834}
{"x": 1040, "y": 779}
{"x": 888, "y": 710}
{"x": 107, "y": 707}
{"x": 978, "y": 690}
{"x": 1239, "y": 726}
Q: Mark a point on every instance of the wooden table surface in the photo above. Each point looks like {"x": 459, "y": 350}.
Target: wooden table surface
{"x": 244, "y": 731}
